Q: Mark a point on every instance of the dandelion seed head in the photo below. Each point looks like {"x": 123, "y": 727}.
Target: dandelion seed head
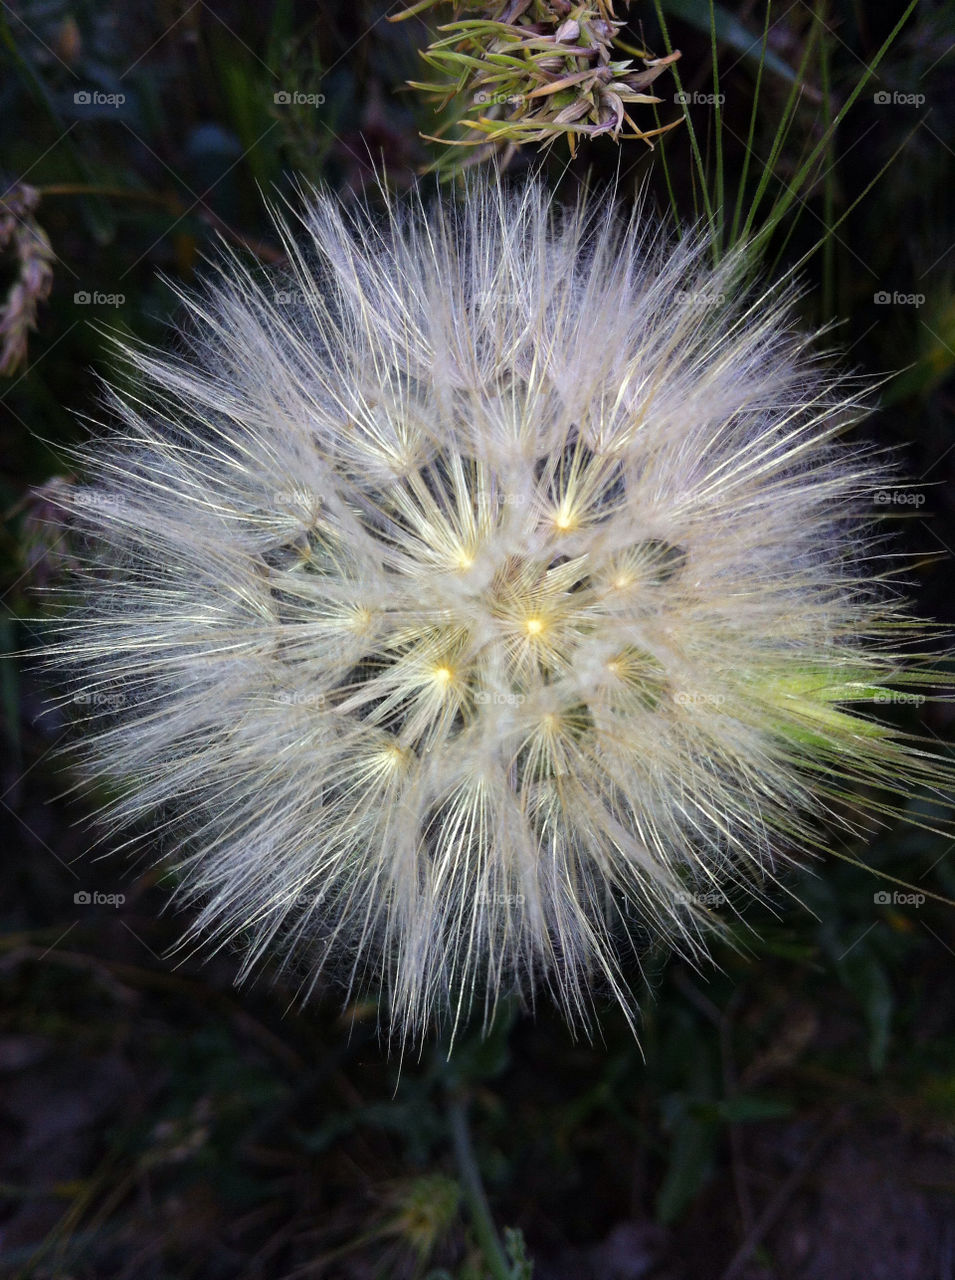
{"x": 484, "y": 598}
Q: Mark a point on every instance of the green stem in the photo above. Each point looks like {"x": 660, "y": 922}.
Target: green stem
{"x": 795, "y": 186}
{"x": 118, "y": 193}
{"x": 691, "y": 134}
{"x": 753, "y": 117}
{"x": 718, "y": 131}
{"x": 829, "y": 187}
{"x": 473, "y": 1189}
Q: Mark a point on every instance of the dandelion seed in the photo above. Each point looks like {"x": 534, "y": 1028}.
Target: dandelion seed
{"x": 570, "y": 632}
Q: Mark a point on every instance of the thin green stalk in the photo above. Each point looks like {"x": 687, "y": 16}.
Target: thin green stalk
{"x": 779, "y": 138}
{"x": 790, "y": 192}
{"x": 473, "y": 1189}
{"x": 412, "y": 11}
{"x": 694, "y": 143}
{"x": 718, "y": 126}
{"x": 830, "y": 229}
{"x": 668, "y": 180}
{"x": 828, "y": 189}
{"x": 119, "y": 193}
{"x": 744, "y": 172}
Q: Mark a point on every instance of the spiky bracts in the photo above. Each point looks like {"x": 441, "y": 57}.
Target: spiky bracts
{"x": 535, "y": 71}
{"x": 488, "y": 592}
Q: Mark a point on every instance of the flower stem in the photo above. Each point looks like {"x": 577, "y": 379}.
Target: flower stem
{"x": 473, "y": 1189}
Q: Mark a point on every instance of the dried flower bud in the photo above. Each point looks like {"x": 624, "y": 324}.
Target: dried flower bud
{"x": 20, "y": 231}
{"x": 528, "y": 72}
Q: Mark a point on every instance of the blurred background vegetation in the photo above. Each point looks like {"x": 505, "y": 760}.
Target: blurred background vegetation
{"x": 790, "y": 1112}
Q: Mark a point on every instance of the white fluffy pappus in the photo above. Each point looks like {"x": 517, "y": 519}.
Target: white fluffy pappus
{"x": 489, "y": 592}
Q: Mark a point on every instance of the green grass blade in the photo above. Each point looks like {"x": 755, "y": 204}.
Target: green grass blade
{"x": 691, "y": 132}
{"x": 791, "y": 192}
{"x": 753, "y": 115}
